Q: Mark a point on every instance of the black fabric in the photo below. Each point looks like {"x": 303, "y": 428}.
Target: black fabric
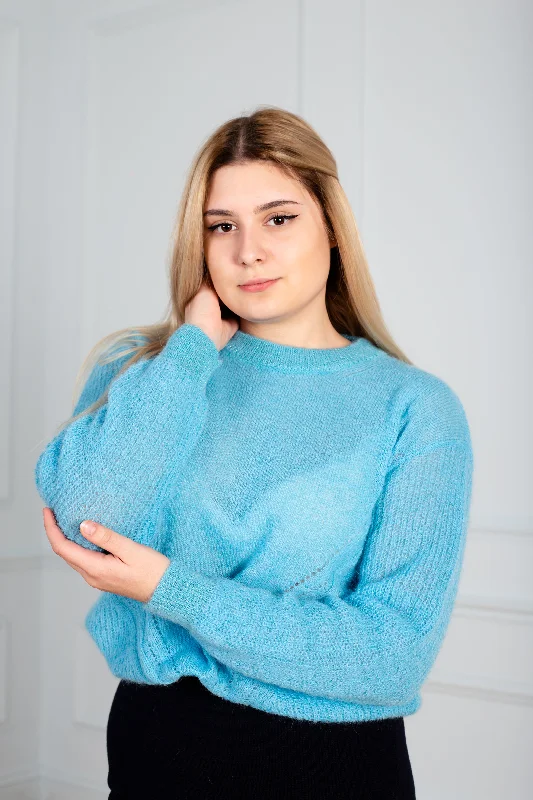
{"x": 181, "y": 741}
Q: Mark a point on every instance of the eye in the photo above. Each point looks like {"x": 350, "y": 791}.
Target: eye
{"x": 276, "y": 216}
{"x": 219, "y": 225}
{"x": 282, "y": 216}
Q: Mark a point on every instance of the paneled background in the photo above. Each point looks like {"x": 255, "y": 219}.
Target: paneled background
{"x": 429, "y": 110}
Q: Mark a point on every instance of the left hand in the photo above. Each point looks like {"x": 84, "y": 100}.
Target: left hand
{"x": 131, "y": 569}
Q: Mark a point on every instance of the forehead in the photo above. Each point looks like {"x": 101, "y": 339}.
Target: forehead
{"x": 242, "y": 187}
{"x": 248, "y": 183}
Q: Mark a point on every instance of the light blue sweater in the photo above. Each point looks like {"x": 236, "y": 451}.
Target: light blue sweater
{"x": 313, "y": 502}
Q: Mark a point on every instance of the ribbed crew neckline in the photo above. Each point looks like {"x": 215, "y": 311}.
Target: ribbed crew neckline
{"x": 271, "y": 356}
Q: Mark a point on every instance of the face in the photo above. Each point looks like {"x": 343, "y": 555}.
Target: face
{"x": 286, "y": 241}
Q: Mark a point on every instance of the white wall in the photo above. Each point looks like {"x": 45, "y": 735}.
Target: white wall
{"x": 429, "y": 110}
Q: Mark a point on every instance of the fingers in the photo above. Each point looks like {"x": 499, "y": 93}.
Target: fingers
{"x": 111, "y": 541}
{"x": 127, "y": 568}
{"x": 79, "y": 558}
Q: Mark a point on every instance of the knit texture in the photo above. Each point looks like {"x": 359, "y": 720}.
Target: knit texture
{"x": 313, "y": 504}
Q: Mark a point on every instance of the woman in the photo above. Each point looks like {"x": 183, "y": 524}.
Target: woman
{"x": 280, "y": 497}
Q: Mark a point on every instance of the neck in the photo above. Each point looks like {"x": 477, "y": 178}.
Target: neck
{"x": 297, "y": 332}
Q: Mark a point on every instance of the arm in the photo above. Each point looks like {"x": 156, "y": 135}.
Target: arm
{"x": 378, "y": 642}
{"x": 113, "y": 465}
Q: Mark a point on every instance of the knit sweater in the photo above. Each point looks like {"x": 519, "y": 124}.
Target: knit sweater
{"x": 313, "y": 504}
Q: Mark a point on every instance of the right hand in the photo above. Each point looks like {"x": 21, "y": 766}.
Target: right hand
{"x": 204, "y": 312}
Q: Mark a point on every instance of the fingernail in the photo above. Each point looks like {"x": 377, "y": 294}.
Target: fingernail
{"x": 88, "y": 527}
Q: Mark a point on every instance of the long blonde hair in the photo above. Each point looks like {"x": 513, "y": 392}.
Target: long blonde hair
{"x": 286, "y": 140}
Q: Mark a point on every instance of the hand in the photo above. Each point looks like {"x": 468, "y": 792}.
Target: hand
{"x": 131, "y": 569}
{"x": 203, "y": 310}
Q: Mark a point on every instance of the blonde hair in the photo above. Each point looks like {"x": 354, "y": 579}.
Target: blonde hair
{"x": 286, "y": 140}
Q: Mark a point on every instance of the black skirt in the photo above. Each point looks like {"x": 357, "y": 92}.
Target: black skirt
{"x": 181, "y": 741}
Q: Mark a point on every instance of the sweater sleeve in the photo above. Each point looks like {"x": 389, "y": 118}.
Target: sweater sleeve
{"x": 115, "y": 464}
{"x": 375, "y": 644}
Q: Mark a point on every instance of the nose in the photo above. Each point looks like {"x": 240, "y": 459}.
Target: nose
{"x": 249, "y": 248}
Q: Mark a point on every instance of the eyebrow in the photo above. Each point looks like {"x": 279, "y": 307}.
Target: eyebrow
{"x": 223, "y": 212}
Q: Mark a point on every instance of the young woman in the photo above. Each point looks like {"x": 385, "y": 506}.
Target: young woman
{"x": 280, "y": 497}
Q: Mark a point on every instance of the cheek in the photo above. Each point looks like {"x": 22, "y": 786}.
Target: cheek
{"x": 223, "y": 278}
{"x": 304, "y": 253}
{"x": 208, "y": 250}
{"x": 307, "y": 269}
{"x": 214, "y": 257}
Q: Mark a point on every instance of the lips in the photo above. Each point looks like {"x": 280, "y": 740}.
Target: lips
{"x": 258, "y": 280}
{"x": 258, "y": 285}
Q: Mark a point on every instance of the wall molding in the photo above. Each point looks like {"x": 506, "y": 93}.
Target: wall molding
{"x": 9, "y": 169}
{"x": 479, "y": 688}
{"x": 474, "y": 530}
{"x": 506, "y": 610}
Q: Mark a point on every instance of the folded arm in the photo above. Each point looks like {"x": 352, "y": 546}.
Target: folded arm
{"x": 115, "y": 464}
{"x": 375, "y": 644}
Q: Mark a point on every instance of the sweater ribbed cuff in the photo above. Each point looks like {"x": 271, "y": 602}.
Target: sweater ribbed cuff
{"x": 193, "y": 350}
{"x": 182, "y": 595}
